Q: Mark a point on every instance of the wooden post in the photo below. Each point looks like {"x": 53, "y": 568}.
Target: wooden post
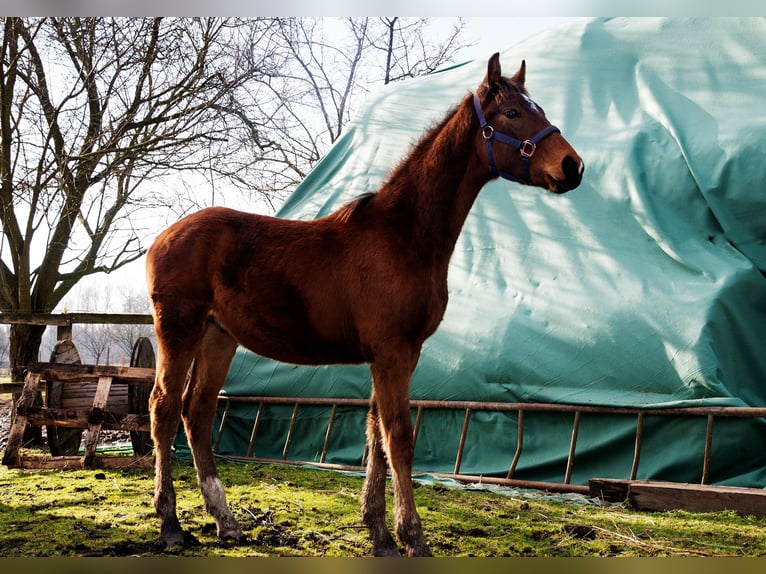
{"x": 19, "y": 424}
{"x": 95, "y": 419}
{"x": 64, "y": 332}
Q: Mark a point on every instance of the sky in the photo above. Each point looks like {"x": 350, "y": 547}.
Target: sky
{"x": 493, "y": 34}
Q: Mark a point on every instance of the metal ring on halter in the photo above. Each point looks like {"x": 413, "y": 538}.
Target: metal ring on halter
{"x": 527, "y": 148}
{"x": 488, "y": 132}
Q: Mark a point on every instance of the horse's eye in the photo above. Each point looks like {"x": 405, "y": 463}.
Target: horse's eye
{"x": 511, "y": 114}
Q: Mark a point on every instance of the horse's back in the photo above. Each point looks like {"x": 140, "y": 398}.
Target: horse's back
{"x": 309, "y": 292}
{"x": 268, "y": 281}
{"x": 198, "y": 246}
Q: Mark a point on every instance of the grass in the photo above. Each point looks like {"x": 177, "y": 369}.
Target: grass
{"x": 293, "y": 511}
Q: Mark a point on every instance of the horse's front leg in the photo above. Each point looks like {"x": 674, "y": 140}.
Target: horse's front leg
{"x": 391, "y": 383}
{"x": 374, "y": 490}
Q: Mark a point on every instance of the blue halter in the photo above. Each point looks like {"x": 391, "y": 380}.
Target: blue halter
{"x": 526, "y": 147}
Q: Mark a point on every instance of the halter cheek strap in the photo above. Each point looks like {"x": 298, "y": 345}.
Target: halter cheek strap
{"x": 526, "y": 148}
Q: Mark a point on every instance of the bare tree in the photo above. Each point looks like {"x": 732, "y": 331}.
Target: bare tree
{"x": 409, "y": 49}
{"x": 93, "y": 114}
{"x": 328, "y": 64}
{"x": 124, "y": 337}
{"x": 97, "y": 115}
{"x": 93, "y": 340}
{"x": 99, "y": 342}
{"x": 93, "y": 343}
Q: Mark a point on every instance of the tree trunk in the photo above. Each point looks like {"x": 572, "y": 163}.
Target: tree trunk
{"x": 25, "y": 341}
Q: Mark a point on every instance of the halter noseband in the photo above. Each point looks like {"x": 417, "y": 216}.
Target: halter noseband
{"x": 526, "y": 148}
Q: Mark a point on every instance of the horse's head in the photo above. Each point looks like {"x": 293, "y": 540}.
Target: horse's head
{"x": 520, "y": 143}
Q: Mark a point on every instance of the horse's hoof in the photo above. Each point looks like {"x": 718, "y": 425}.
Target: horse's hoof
{"x": 387, "y": 552}
{"x": 421, "y": 549}
{"x": 176, "y": 541}
{"x": 173, "y": 543}
{"x": 421, "y": 553}
{"x": 234, "y": 536}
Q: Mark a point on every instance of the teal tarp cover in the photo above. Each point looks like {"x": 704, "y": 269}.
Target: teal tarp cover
{"x": 644, "y": 287}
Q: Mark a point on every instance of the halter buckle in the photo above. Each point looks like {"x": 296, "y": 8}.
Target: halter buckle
{"x": 527, "y": 148}
{"x": 487, "y": 132}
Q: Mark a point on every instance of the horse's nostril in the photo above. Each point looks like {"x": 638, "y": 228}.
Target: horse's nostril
{"x": 572, "y": 168}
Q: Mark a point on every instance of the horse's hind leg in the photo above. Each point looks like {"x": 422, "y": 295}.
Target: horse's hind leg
{"x": 199, "y": 406}
{"x": 374, "y": 490}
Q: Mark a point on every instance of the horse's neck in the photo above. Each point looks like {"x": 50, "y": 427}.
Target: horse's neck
{"x": 434, "y": 188}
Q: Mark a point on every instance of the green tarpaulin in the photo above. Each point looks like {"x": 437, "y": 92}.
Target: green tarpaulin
{"x": 643, "y": 287}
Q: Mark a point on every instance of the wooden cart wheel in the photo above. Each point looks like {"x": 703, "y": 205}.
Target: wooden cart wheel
{"x": 61, "y": 440}
{"x": 138, "y": 395}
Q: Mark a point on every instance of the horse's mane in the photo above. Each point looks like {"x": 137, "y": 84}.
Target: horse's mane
{"x": 354, "y": 206}
{"x": 420, "y": 154}
{"x": 417, "y": 160}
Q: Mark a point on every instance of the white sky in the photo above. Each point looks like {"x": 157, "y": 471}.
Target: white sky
{"x": 494, "y": 34}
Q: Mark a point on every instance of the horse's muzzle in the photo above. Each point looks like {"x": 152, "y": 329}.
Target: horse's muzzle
{"x": 572, "y": 169}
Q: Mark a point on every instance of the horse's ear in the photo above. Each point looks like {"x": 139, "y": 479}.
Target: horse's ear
{"x": 492, "y": 79}
{"x": 521, "y": 74}
{"x": 493, "y": 70}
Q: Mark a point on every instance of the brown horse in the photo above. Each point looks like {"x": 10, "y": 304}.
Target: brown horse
{"x": 366, "y": 284}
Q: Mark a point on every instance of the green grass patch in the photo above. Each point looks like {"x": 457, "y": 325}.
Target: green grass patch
{"x": 294, "y": 511}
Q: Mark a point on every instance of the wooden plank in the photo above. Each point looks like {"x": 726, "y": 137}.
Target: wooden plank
{"x": 11, "y": 388}
{"x": 91, "y": 373}
{"x": 95, "y": 419}
{"x": 60, "y": 319}
{"x": 68, "y": 418}
{"x": 662, "y": 496}
{"x": 46, "y": 462}
{"x": 80, "y": 395}
{"x": 34, "y": 319}
{"x": 609, "y": 489}
{"x": 698, "y": 498}
{"x": 111, "y": 318}
{"x": 19, "y": 424}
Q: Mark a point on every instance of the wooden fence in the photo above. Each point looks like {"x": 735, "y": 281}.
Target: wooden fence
{"x": 64, "y": 323}
{"x": 692, "y": 497}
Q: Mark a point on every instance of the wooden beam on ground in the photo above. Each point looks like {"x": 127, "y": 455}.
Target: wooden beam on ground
{"x": 47, "y": 462}
{"x": 662, "y": 496}
{"x": 609, "y": 489}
